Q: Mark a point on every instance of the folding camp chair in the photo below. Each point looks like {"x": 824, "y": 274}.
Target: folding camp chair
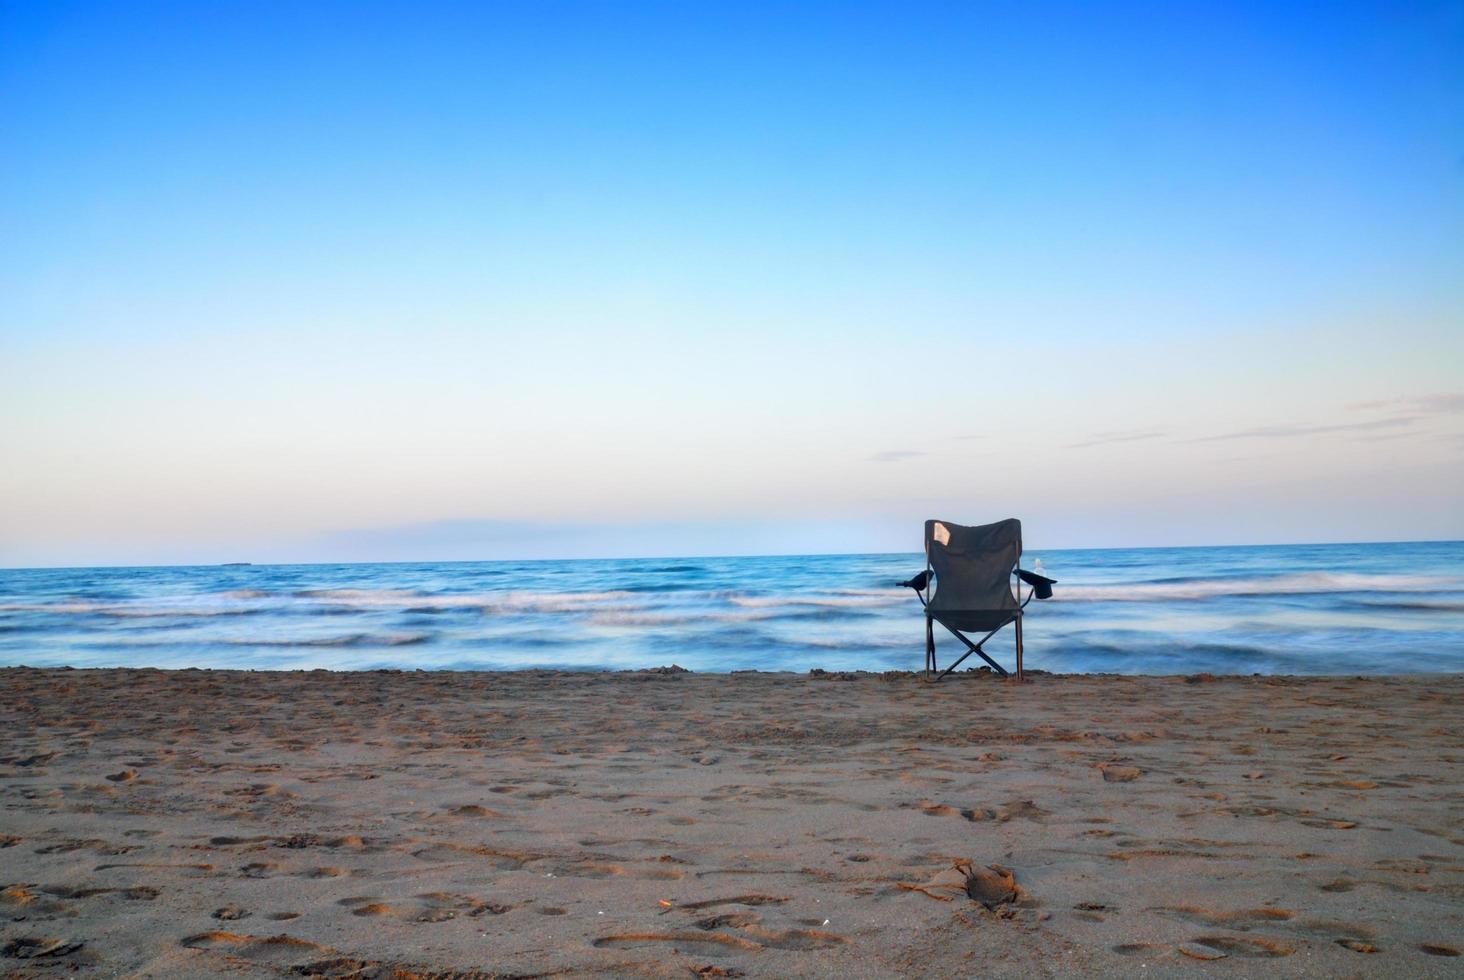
{"x": 973, "y": 569}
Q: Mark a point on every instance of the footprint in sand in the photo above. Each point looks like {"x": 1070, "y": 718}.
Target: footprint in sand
{"x": 281, "y": 952}
{"x": 797, "y": 940}
{"x": 429, "y": 907}
{"x": 320, "y": 873}
{"x": 1239, "y": 946}
{"x": 1334, "y": 929}
{"x": 753, "y": 900}
{"x": 15, "y": 898}
{"x": 726, "y": 919}
{"x": 933, "y": 809}
{"x": 1115, "y": 773}
{"x": 259, "y": 869}
{"x": 91, "y": 844}
{"x": 1236, "y": 919}
{"x": 750, "y": 937}
{"x": 1015, "y": 810}
{"x": 1330, "y": 824}
{"x": 705, "y": 944}
{"x": 1196, "y": 951}
{"x": 501, "y": 860}
{"x": 481, "y": 812}
{"x": 233, "y": 841}
{"x": 138, "y": 893}
{"x": 1134, "y": 949}
{"x": 48, "y": 950}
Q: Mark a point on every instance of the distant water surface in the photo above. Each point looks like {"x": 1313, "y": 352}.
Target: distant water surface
{"x": 1312, "y": 609}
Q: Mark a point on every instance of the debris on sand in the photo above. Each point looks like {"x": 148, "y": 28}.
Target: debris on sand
{"x": 992, "y": 885}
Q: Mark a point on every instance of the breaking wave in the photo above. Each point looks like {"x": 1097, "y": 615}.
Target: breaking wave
{"x": 349, "y": 640}
{"x": 1307, "y": 583}
{"x": 845, "y": 600}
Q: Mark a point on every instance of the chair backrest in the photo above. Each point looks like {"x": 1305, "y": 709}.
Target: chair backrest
{"x": 973, "y": 572}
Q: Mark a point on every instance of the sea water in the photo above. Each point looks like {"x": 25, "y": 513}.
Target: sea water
{"x": 1297, "y": 609}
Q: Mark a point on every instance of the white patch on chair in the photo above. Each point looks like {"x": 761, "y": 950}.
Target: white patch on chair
{"x": 941, "y": 535}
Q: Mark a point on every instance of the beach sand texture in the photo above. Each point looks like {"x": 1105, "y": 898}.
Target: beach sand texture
{"x": 194, "y": 823}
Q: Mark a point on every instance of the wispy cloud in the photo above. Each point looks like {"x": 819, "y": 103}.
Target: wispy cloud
{"x": 1128, "y": 435}
{"x": 1448, "y": 403}
{"x": 1390, "y": 436}
{"x": 1302, "y": 429}
{"x": 894, "y": 456}
{"x": 1440, "y": 403}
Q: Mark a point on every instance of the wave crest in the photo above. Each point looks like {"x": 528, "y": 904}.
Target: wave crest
{"x": 1304, "y": 583}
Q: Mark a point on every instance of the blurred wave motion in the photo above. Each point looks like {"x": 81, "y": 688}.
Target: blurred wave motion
{"x": 1305, "y": 609}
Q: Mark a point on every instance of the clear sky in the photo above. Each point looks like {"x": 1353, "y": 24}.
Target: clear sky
{"x": 338, "y": 281}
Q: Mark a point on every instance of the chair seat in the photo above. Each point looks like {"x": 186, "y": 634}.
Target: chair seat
{"x": 974, "y": 620}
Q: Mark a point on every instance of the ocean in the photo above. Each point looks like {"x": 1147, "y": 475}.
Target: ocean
{"x": 1294, "y": 609}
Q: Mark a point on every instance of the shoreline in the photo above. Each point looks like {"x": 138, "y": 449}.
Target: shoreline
{"x": 395, "y": 822}
{"x": 965, "y": 675}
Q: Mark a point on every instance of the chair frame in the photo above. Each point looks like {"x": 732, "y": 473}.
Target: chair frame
{"x": 931, "y": 667}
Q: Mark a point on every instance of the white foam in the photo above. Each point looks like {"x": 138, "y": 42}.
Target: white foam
{"x": 499, "y": 602}
{"x": 347, "y": 640}
{"x": 1307, "y": 583}
{"x": 124, "y": 610}
{"x": 627, "y": 618}
{"x": 834, "y": 601}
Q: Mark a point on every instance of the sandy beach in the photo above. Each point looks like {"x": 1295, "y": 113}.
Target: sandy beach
{"x": 193, "y": 823}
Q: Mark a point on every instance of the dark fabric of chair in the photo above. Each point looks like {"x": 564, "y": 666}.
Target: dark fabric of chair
{"x": 972, "y": 568}
{"x": 973, "y": 573}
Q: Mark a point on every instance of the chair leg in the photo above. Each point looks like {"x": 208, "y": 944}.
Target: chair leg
{"x": 929, "y": 645}
{"x": 1020, "y": 678}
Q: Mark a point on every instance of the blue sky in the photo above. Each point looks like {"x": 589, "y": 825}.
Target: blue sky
{"x": 346, "y": 281}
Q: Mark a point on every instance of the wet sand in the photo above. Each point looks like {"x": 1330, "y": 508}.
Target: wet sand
{"x": 198, "y": 823}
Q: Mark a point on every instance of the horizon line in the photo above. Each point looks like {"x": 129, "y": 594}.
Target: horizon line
{"x": 826, "y": 554}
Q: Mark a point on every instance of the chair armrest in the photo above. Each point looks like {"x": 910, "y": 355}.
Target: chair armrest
{"x": 1041, "y": 584}
{"x": 918, "y": 583}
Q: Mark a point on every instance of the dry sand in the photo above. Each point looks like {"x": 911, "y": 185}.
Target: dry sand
{"x": 197, "y": 823}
